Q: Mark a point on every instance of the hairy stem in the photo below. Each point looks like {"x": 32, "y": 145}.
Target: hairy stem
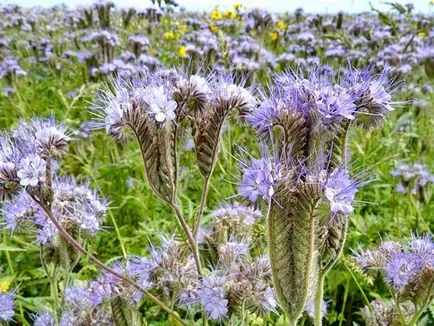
{"x": 398, "y": 307}
{"x": 191, "y": 241}
{"x": 104, "y": 267}
{"x": 54, "y": 292}
{"x": 318, "y": 300}
{"x": 65, "y": 261}
{"x": 205, "y": 191}
{"x": 365, "y": 298}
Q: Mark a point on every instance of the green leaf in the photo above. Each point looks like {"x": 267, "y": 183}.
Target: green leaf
{"x": 4, "y": 248}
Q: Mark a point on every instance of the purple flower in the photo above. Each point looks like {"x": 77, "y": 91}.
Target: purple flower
{"x": 423, "y": 247}
{"x": 237, "y": 213}
{"x": 78, "y": 298}
{"x": 258, "y": 180}
{"x": 333, "y": 102}
{"x": 32, "y": 170}
{"x": 141, "y": 269}
{"x": 6, "y": 306}
{"x": 213, "y": 297}
{"x": 402, "y": 268}
{"x": 340, "y": 191}
{"x": 43, "y": 319}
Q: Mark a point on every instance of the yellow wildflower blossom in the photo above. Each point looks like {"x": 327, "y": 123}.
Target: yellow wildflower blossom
{"x": 213, "y": 28}
{"x": 216, "y": 15}
{"x": 274, "y": 36}
{"x": 422, "y": 34}
{"x": 4, "y": 286}
{"x": 230, "y": 14}
{"x": 183, "y": 28}
{"x": 281, "y": 25}
{"x": 182, "y": 51}
{"x": 237, "y": 6}
{"x": 169, "y": 36}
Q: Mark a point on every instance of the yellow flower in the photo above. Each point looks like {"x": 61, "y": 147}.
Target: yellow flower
{"x": 230, "y": 14}
{"x": 4, "y": 286}
{"x": 169, "y": 36}
{"x": 183, "y": 28}
{"x": 216, "y": 15}
{"x": 281, "y": 25}
{"x": 275, "y": 35}
{"x": 422, "y": 34}
{"x": 237, "y": 6}
{"x": 182, "y": 51}
{"x": 213, "y": 28}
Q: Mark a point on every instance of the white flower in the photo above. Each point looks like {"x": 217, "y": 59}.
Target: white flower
{"x": 337, "y": 204}
{"x": 160, "y": 106}
{"x": 199, "y": 84}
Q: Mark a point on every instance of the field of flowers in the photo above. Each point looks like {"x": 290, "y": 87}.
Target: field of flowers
{"x": 232, "y": 167}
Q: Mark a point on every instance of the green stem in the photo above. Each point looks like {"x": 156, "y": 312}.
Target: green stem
{"x": 118, "y": 234}
{"x": 191, "y": 241}
{"x": 365, "y": 298}
{"x": 398, "y": 307}
{"x": 318, "y": 300}
{"x": 292, "y": 322}
{"x": 65, "y": 261}
{"x": 54, "y": 292}
{"x": 347, "y": 287}
{"x": 205, "y": 191}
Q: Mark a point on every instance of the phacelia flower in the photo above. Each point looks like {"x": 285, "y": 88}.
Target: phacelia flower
{"x": 6, "y": 306}
{"x": 160, "y": 106}
{"x": 213, "y": 297}
{"x": 43, "y": 319}
{"x": 340, "y": 191}
{"x": 402, "y": 268}
{"x": 32, "y": 170}
{"x": 258, "y": 180}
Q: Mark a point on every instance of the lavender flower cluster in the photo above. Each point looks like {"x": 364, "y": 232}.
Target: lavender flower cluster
{"x": 409, "y": 273}
{"x": 28, "y": 175}
{"x": 414, "y": 179}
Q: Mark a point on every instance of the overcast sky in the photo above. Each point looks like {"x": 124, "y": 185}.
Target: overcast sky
{"x": 273, "y": 5}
